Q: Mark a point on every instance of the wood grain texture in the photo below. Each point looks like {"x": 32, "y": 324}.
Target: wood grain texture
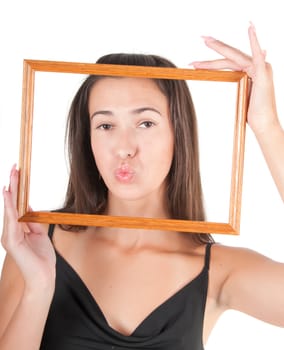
{"x": 26, "y": 138}
{"x": 234, "y": 210}
{"x": 135, "y": 71}
{"x": 238, "y": 154}
{"x": 128, "y": 222}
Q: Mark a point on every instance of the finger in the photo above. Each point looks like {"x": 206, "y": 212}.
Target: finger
{"x": 217, "y": 64}
{"x": 35, "y": 228}
{"x": 258, "y": 54}
{"x": 13, "y": 187}
{"x": 229, "y": 52}
{"x": 5, "y": 213}
{"x": 12, "y": 227}
{"x": 11, "y": 215}
{"x": 10, "y": 210}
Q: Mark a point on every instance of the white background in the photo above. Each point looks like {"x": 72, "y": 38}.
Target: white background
{"x": 84, "y": 30}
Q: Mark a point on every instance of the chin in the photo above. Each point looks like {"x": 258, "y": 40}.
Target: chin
{"x": 144, "y": 198}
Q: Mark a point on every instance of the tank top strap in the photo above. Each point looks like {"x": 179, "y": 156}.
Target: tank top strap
{"x": 50, "y": 231}
{"x": 207, "y": 255}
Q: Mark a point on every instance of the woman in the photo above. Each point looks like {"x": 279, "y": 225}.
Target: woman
{"x": 133, "y": 289}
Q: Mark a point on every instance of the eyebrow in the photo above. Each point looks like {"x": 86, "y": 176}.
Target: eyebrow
{"x": 134, "y": 111}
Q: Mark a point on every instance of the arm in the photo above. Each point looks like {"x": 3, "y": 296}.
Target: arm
{"x": 262, "y": 114}
{"x": 23, "y": 312}
{"x": 271, "y": 142}
{"x": 27, "y": 280}
{"x": 254, "y": 284}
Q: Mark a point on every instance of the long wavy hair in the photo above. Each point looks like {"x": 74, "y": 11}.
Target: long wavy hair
{"x": 87, "y": 192}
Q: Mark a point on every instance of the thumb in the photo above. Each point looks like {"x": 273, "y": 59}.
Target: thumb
{"x": 34, "y": 227}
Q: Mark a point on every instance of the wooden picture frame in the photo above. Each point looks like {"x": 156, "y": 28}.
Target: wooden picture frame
{"x": 230, "y": 227}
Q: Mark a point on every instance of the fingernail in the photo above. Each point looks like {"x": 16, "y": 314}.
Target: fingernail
{"x": 14, "y": 167}
{"x": 193, "y": 63}
{"x": 207, "y": 38}
{"x": 252, "y": 25}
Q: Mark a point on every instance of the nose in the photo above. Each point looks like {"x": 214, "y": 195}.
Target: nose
{"x": 126, "y": 146}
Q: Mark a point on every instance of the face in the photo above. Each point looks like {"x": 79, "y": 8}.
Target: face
{"x": 131, "y": 137}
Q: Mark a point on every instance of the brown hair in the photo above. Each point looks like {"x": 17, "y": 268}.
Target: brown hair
{"x": 87, "y": 192}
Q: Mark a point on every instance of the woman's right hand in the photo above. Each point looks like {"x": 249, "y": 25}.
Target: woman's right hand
{"x": 28, "y": 244}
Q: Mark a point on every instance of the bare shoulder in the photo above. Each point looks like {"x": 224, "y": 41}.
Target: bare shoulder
{"x": 234, "y": 259}
{"x": 248, "y": 281}
{"x": 231, "y": 262}
{"x": 226, "y": 263}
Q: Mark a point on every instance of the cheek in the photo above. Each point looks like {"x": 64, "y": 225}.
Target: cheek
{"x": 98, "y": 153}
{"x": 168, "y": 141}
{"x": 161, "y": 150}
{"x": 94, "y": 147}
{"x": 170, "y": 151}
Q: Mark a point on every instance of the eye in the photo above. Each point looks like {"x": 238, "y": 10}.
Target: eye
{"x": 146, "y": 124}
{"x": 104, "y": 127}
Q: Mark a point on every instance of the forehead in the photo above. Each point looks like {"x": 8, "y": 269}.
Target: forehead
{"x": 126, "y": 90}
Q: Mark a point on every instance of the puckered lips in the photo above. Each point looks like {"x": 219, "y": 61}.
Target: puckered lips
{"x": 124, "y": 173}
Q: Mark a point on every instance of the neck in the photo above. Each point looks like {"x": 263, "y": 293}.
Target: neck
{"x": 140, "y": 240}
{"x": 154, "y": 207}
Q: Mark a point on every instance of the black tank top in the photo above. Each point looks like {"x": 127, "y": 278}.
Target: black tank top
{"x": 75, "y": 321}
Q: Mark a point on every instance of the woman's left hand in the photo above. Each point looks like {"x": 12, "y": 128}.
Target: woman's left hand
{"x": 262, "y": 108}
{"x": 262, "y": 113}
